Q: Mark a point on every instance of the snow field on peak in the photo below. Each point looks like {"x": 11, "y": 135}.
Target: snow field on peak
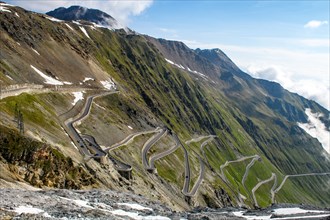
{"x": 49, "y": 80}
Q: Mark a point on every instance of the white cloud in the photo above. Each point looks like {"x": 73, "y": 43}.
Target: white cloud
{"x": 315, "y": 24}
{"x": 309, "y": 88}
{"x": 120, "y": 10}
{"x": 315, "y": 42}
{"x": 166, "y": 30}
{"x": 316, "y": 129}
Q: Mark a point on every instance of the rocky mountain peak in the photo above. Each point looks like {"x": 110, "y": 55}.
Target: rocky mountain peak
{"x": 82, "y": 13}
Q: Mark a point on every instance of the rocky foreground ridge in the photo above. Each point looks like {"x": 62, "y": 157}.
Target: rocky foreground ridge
{"x": 101, "y": 204}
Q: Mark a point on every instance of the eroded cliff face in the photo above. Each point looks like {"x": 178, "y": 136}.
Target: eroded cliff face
{"x": 24, "y": 159}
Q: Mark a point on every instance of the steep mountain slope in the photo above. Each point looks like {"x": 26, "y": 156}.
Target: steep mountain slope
{"x": 163, "y": 86}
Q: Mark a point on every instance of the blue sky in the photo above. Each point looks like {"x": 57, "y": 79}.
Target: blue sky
{"x": 283, "y": 41}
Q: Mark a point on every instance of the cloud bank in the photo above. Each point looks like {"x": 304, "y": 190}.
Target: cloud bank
{"x": 309, "y": 88}
{"x": 120, "y": 10}
{"x": 315, "y": 24}
{"x": 316, "y": 129}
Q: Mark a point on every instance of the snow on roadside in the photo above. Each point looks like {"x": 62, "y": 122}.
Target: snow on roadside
{"x": 109, "y": 84}
{"x": 77, "y": 96}
{"x": 316, "y": 129}
{"x": 4, "y": 9}
{"x": 35, "y": 51}
{"x": 135, "y": 206}
{"x": 49, "y": 80}
{"x": 84, "y": 31}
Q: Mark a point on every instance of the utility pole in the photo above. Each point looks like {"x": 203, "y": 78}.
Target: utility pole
{"x": 21, "y": 123}
{"x": 18, "y": 118}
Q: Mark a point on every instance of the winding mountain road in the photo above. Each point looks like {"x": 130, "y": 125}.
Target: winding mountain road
{"x": 130, "y": 138}
{"x": 200, "y": 178}
{"x": 294, "y": 175}
{"x": 73, "y": 133}
{"x": 235, "y": 161}
{"x": 273, "y": 176}
{"x": 148, "y": 144}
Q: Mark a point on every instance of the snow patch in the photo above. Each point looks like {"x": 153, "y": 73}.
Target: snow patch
{"x": 6, "y": 4}
{"x": 130, "y": 127}
{"x": 9, "y": 77}
{"x": 121, "y": 212}
{"x": 182, "y": 67}
{"x": 316, "y": 129}
{"x": 17, "y": 15}
{"x": 295, "y": 210}
{"x": 135, "y": 206}
{"x": 76, "y": 22}
{"x": 82, "y": 203}
{"x": 18, "y": 43}
{"x": 69, "y": 26}
{"x": 49, "y": 80}
{"x": 4, "y": 9}
{"x": 157, "y": 217}
{"x": 84, "y": 31}
{"x": 53, "y": 19}
{"x": 28, "y": 210}
{"x": 35, "y": 51}
{"x": 77, "y": 96}
{"x": 175, "y": 64}
{"x": 109, "y": 84}
{"x": 241, "y": 214}
{"x": 67, "y": 83}
{"x": 87, "y": 79}
{"x": 135, "y": 215}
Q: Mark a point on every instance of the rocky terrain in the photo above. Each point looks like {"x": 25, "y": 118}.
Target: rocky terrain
{"x": 102, "y": 204}
{"x": 88, "y": 107}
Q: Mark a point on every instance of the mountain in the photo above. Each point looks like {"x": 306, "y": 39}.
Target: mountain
{"x": 75, "y": 13}
{"x": 101, "y": 108}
